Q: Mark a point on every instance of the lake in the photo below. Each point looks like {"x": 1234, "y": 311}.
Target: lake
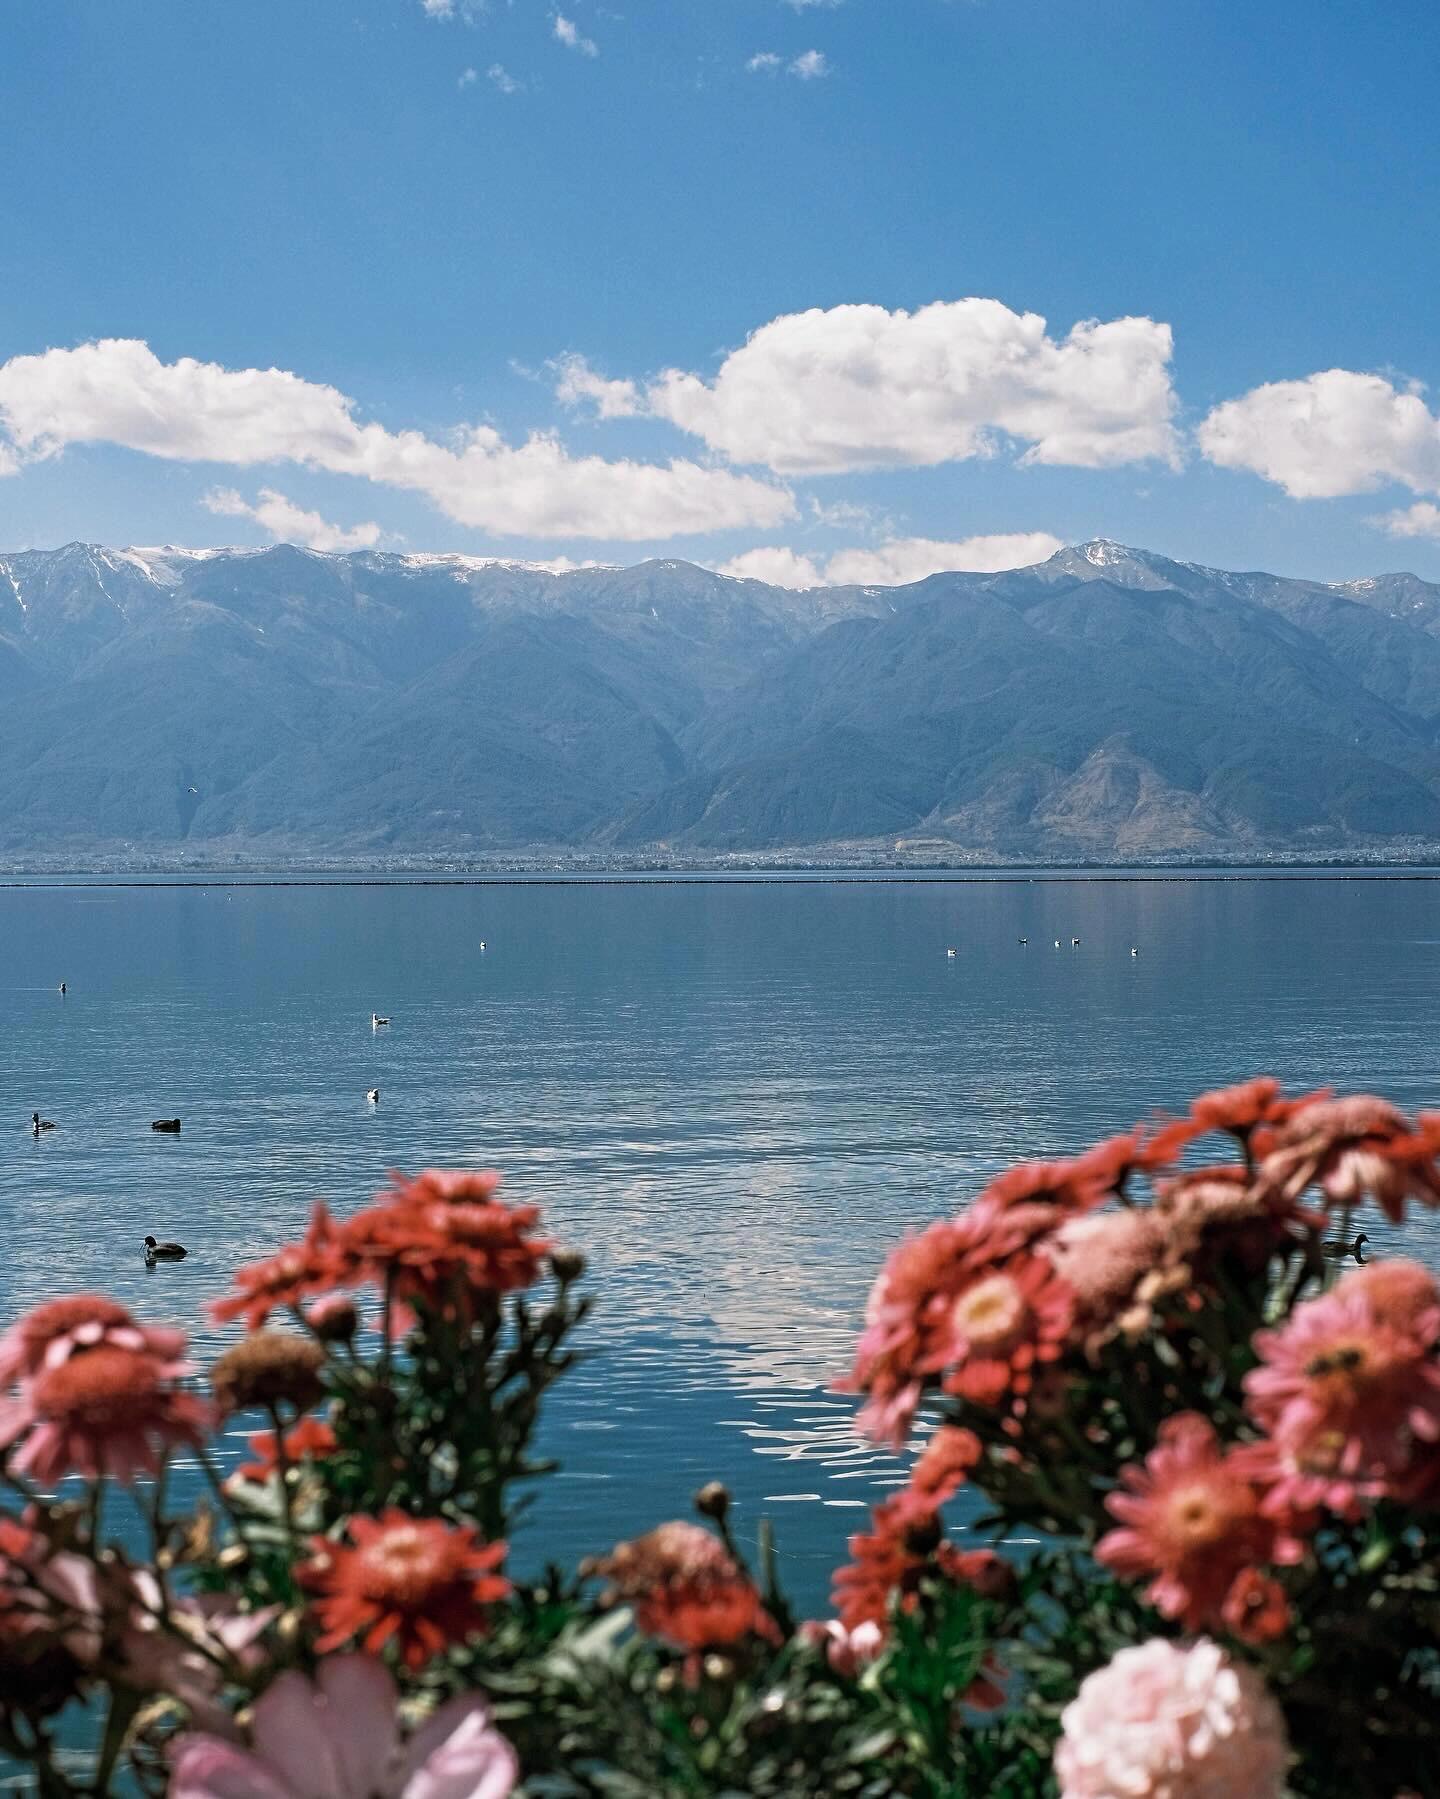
{"x": 733, "y": 1095}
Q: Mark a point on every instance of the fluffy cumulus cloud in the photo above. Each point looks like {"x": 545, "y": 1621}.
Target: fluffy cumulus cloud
{"x": 1333, "y": 433}
{"x": 810, "y": 65}
{"x": 569, "y": 34}
{"x": 500, "y": 77}
{"x": 1420, "y": 520}
{"x": 290, "y": 523}
{"x": 764, "y": 62}
{"x": 577, "y": 384}
{"x": 117, "y": 391}
{"x": 857, "y": 387}
{"x": 895, "y": 562}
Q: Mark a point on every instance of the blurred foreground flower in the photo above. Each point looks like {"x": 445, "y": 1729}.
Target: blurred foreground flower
{"x": 338, "y": 1737}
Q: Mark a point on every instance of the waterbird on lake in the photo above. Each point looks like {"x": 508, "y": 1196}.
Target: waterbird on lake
{"x": 1342, "y": 1251}
{"x": 1024, "y": 940}
{"x": 1074, "y": 943}
{"x": 165, "y": 1124}
{"x": 38, "y": 1124}
{"x": 373, "y": 1095}
{"x": 1057, "y": 943}
{"x": 376, "y": 1021}
{"x": 951, "y": 954}
{"x": 482, "y": 943}
{"x": 1134, "y": 952}
{"x": 62, "y": 986}
{"x": 164, "y": 1252}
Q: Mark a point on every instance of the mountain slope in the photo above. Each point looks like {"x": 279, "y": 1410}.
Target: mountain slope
{"x": 1107, "y": 703}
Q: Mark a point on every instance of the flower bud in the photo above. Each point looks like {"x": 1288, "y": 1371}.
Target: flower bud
{"x": 266, "y": 1369}
{"x": 713, "y": 1501}
{"x": 334, "y": 1319}
{"x": 567, "y": 1265}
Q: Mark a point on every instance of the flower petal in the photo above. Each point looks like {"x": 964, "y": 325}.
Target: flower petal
{"x": 456, "y": 1755}
{"x": 360, "y": 1718}
{"x": 290, "y": 1734}
{"x": 206, "y": 1767}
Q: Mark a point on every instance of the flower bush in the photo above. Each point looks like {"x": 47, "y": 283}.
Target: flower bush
{"x": 1226, "y": 1444}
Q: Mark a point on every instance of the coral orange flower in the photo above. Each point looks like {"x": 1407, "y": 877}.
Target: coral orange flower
{"x": 1339, "y": 1369}
{"x": 440, "y": 1226}
{"x": 1035, "y": 1197}
{"x": 54, "y": 1330}
{"x": 686, "y": 1588}
{"x": 1190, "y": 1518}
{"x": 416, "y": 1582}
{"x": 109, "y": 1410}
{"x": 1000, "y": 1326}
{"x": 311, "y": 1437}
{"x": 1352, "y": 1147}
{"x": 949, "y": 1459}
{"x": 1240, "y": 1109}
{"x": 299, "y": 1271}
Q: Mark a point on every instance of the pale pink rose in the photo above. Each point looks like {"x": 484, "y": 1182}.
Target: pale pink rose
{"x": 338, "y": 1737}
{"x": 1163, "y": 1721}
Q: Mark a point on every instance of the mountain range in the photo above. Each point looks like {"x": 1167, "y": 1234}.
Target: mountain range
{"x": 1107, "y": 704}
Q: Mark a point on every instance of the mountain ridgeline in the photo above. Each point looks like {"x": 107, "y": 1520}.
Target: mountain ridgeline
{"x": 1106, "y": 704}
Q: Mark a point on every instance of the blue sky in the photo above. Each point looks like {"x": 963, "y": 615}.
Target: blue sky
{"x": 853, "y": 285}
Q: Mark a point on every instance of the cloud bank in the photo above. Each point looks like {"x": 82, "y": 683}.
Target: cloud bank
{"x": 290, "y": 523}
{"x": 893, "y": 563}
{"x": 117, "y": 391}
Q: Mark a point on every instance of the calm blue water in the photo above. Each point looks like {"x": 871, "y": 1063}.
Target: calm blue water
{"x": 732, "y": 1096}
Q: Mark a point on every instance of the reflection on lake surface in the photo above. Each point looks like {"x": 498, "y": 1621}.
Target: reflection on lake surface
{"x": 733, "y": 1097}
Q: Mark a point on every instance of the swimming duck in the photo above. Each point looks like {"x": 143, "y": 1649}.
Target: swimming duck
{"x": 1342, "y": 1251}
{"x": 1074, "y": 943}
{"x": 38, "y": 1124}
{"x": 164, "y": 1252}
{"x": 376, "y": 1021}
{"x": 62, "y": 986}
{"x": 164, "y": 1124}
{"x": 1134, "y": 952}
{"x": 373, "y": 1095}
{"x": 482, "y": 943}
{"x": 951, "y": 954}
{"x": 1024, "y": 940}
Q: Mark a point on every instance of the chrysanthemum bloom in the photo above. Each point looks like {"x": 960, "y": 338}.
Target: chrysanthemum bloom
{"x": 268, "y": 1368}
{"x": 1336, "y": 1368}
{"x": 686, "y": 1588}
{"x": 102, "y": 1411}
{"x": 1190, "y": 1518}
{"x": 945, "y": 1311}
{"x": 949, "y": 1459}
{"x": 1036, "y": 1197}
{"x": 311, "y": 1437}
{"x": 339, "y": 1737}
{"x": 299, "y": 1271}
{"x": 414, "y": 1581}
{"x": 54, "y": 1330}
{"x": 1352, "y": 1147}
{"x": 1103, "y": 1259}
{"x": 1397, "y": 1290}
{"x": 1165, "y": 1722}
{"x": 1240, "y": 1109}
{"x": 1301, "y": 1478}
{"x": 440, "y": 1229}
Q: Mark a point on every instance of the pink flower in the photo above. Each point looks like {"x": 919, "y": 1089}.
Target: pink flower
{"x": 1340, "y": 1372}
{"x": 1191, "y": 1517}
{"x": 1354, "y": 1146}
{"x": 847, "y": 1651}
{"x": 1165, "y": 1722}
{"x": 102, "y": 1409}
{"x": 339, "y": 1738}
{"x": 53, "y": 1331}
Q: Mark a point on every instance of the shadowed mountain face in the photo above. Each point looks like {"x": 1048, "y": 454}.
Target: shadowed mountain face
{"x": 1107, "y": 703}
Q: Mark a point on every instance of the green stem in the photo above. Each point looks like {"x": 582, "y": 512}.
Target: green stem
{"x": 282, "y": 1468}
{"x": 123, "y": 1707}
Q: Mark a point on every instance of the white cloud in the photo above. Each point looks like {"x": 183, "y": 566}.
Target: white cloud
{"x": 905, "y": 559}
{"x": 777, "y": 567}
{"x": 468, "y": 78}
{"x": 1333, "y": 433}
{"x": 290, "y": 523}
{"x": 503, "y": 79}
{"x": 438, "y": 9}
{"x": 811, "y": 5}
{"x": 568, "y": 33}
{"x": 810, "y": 65}
{"x": 1420, "y": 520}
{"x": 894, "y": 563}
{"x": 117, "y": 391}
{"x": 763, "y": 62}
{"x": 856, "y": 387}
{"x": 578, "y": 382}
